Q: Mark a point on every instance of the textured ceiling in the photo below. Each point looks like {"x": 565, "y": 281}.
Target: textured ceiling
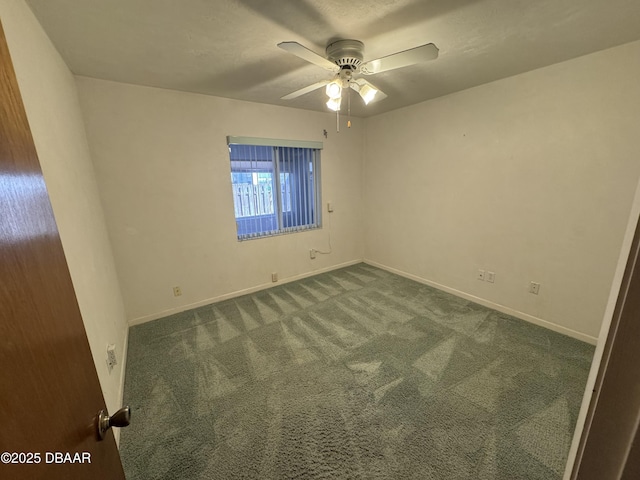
{"x": 228, "y": 48}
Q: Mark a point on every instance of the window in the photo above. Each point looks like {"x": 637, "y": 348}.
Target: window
{"x": 275, "y": 184}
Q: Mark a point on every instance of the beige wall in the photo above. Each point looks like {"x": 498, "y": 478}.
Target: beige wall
{"x": 163, "y": 168}
{"x": 50, "y": 97}
{"x": 531, "y": 177}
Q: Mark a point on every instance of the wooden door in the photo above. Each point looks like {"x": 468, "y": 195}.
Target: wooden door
{"x": 49, "y": 389}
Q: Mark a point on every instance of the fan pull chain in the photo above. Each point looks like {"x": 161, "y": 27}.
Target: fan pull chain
{"x": 348, "y": 107}
{"x": 337, "y": 121}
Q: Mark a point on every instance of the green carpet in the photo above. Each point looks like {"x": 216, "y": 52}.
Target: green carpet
{"x": 352, "y": 374}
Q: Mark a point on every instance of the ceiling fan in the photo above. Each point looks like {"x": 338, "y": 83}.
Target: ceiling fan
{"x": 345, "y": 59}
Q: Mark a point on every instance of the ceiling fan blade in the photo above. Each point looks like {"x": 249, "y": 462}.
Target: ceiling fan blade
{"x": 305, "y": 90}
{"x": 308, "y": 55}
{"x": 358, "y": 83}
{"x": 400, "y": 59}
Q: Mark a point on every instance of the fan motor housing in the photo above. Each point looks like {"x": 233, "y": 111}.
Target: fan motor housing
{"x": 346, "y": 53}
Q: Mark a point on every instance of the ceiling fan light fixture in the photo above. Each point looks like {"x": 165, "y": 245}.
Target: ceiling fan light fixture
{"x": 334, "y": 104}
{"x": 334, "y": 90}
{"x": 344, "y": 57}
{"x": 367, "y": 93}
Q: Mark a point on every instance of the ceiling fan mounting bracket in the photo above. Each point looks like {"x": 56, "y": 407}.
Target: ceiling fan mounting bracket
{"x": 347, "y": 54}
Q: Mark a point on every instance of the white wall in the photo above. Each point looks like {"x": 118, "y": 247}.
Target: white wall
{"x": 50, "y": 97}
{"x": 163, "y": 167}
{"x": 531, "y": 177}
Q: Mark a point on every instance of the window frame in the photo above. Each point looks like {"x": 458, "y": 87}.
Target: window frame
{"x": 311, "y": 177}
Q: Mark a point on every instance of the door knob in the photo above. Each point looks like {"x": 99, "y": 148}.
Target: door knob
{"x": 121, "y": 418}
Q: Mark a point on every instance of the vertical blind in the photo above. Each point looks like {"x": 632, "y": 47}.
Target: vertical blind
{"x": 276, "y": 188}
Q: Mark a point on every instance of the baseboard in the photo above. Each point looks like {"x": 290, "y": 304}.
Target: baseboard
{"x": 487, "y": 303}
{"x": 123, "y": 368}
{"x": 238, "y": 293}
{"x": 123, "y": 371}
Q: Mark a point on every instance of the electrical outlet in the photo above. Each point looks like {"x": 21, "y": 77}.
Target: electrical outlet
{"x": 329, "y": 207}
{"x": 312, "y": 254}
{"x": 480, "y": 275}
{"x": 491, "y": 277}
{"x": 274, "y": 277}
{"x": 111, "y": 357}
{"x": 534, "y": 288}
{"x": 177, "y": 291}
